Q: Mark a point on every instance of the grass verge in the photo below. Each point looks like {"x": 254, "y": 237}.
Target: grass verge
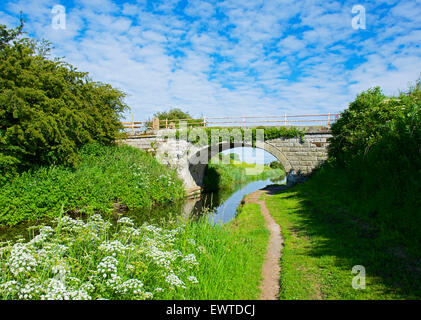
{"x": 324, "y": 240}
{"x": 232, "y": 265}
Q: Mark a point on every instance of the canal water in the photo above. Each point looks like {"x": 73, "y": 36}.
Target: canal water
{"x": 221, "y": 207}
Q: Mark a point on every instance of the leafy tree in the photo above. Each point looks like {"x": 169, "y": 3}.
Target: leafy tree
{"x": 360, "y": 125}
{"x": 373, "y": 120}
{"x": 48, "y": 109}
{"x": 172, "y": 114}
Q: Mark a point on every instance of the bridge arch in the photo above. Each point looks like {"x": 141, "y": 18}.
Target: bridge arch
{"x": 300, "y": 154}
{"x": 200, "y": 159}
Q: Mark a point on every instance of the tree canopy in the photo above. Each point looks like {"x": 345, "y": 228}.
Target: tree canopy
{"x": 379, "y": 125}
{"x": 172, "y": 114}
{"x": 48, "y": 109}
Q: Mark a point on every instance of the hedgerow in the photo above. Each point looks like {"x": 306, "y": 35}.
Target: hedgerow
{"x": 48, "y": 109}
{"x": 374, "y": 164}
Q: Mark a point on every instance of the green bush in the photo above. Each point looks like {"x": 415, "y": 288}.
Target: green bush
{"x": 104, "y": 176}
{"x": 276, "y": 165}
{"x": 48, "y": 110}
{"x": 374, "y": 123}
{"x": 375, "y": 162}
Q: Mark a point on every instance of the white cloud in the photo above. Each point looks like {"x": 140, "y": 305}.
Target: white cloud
{"x": 256, "y": 57}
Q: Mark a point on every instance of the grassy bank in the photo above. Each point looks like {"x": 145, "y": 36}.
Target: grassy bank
{"x": 362, "y": 207}
{"x": 232, "y": 265}
{"x": 225, "y": 176}
{"x": 94, "y": 259}
{"x": 105, "y": 175}
{"x": 325, "y": 236}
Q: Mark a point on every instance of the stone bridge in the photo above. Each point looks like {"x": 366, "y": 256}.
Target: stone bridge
{"x": 298, "y": 156}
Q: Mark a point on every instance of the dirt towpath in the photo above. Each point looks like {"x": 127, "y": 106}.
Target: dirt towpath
{"x": 271, "y": 268}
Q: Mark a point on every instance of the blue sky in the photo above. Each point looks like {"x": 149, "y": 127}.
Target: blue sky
{"x": 220, "y": 58}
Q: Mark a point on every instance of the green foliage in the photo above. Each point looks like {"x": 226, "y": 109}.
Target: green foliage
{"x": 276, "y": 165}
{"x": 95, "y": 259}
{"x": 324, "y": 239}
{"x": 234, "y": 156}
{"x": 172, "y": 114}
{"x": 48, "y": 110}
{"x": 203, "y": 136}
{"x": 104, "y": 176}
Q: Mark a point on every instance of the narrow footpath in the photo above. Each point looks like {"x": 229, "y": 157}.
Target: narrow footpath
{"x": 271, "y": 267}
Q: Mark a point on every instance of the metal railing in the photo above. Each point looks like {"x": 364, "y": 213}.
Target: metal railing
{"x": 284, "y": 120}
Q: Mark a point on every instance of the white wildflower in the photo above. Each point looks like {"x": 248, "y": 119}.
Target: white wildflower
{"x": 107, "y": 266}
{"x": 192, "y": 279}
{"x": 21, "y": 259}
{"x": 175, "y": 281}
{"x": 126, "y": 221}
{"x": 190, "y": 259}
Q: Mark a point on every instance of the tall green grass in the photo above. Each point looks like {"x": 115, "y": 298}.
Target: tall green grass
{"x": 106, "y": 175}
{"x": 325, "y": 236}
{"x": 231, "y": 267}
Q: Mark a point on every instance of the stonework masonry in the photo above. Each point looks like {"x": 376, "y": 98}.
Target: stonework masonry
{"x": 301, "y": 156}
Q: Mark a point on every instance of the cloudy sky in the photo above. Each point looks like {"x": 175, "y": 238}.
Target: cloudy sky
{"x": 220, "y": 58}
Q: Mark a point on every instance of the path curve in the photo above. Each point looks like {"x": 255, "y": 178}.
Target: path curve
{"x": 271, "y": 267}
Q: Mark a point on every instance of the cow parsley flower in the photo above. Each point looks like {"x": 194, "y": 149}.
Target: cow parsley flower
{"x": 21, "y": 259}
{"x": 175, "y": 281}
{"x": 107, "y": 266}
{"x": 190, "y": 259}
{"x": 192, "y": 279}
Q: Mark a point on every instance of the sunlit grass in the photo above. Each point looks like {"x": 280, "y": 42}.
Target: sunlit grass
{"x": 322, "y": 243}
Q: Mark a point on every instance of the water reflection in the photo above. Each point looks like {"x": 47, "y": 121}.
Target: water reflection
{"x": 221, "y": 206}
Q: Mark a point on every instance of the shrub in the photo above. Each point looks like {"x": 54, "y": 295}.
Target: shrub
{"x": 276, "y": 165}
{"x": 48, "y": 110}
{"x": 375, "y": 162}
{"x": 79, "y": 260}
